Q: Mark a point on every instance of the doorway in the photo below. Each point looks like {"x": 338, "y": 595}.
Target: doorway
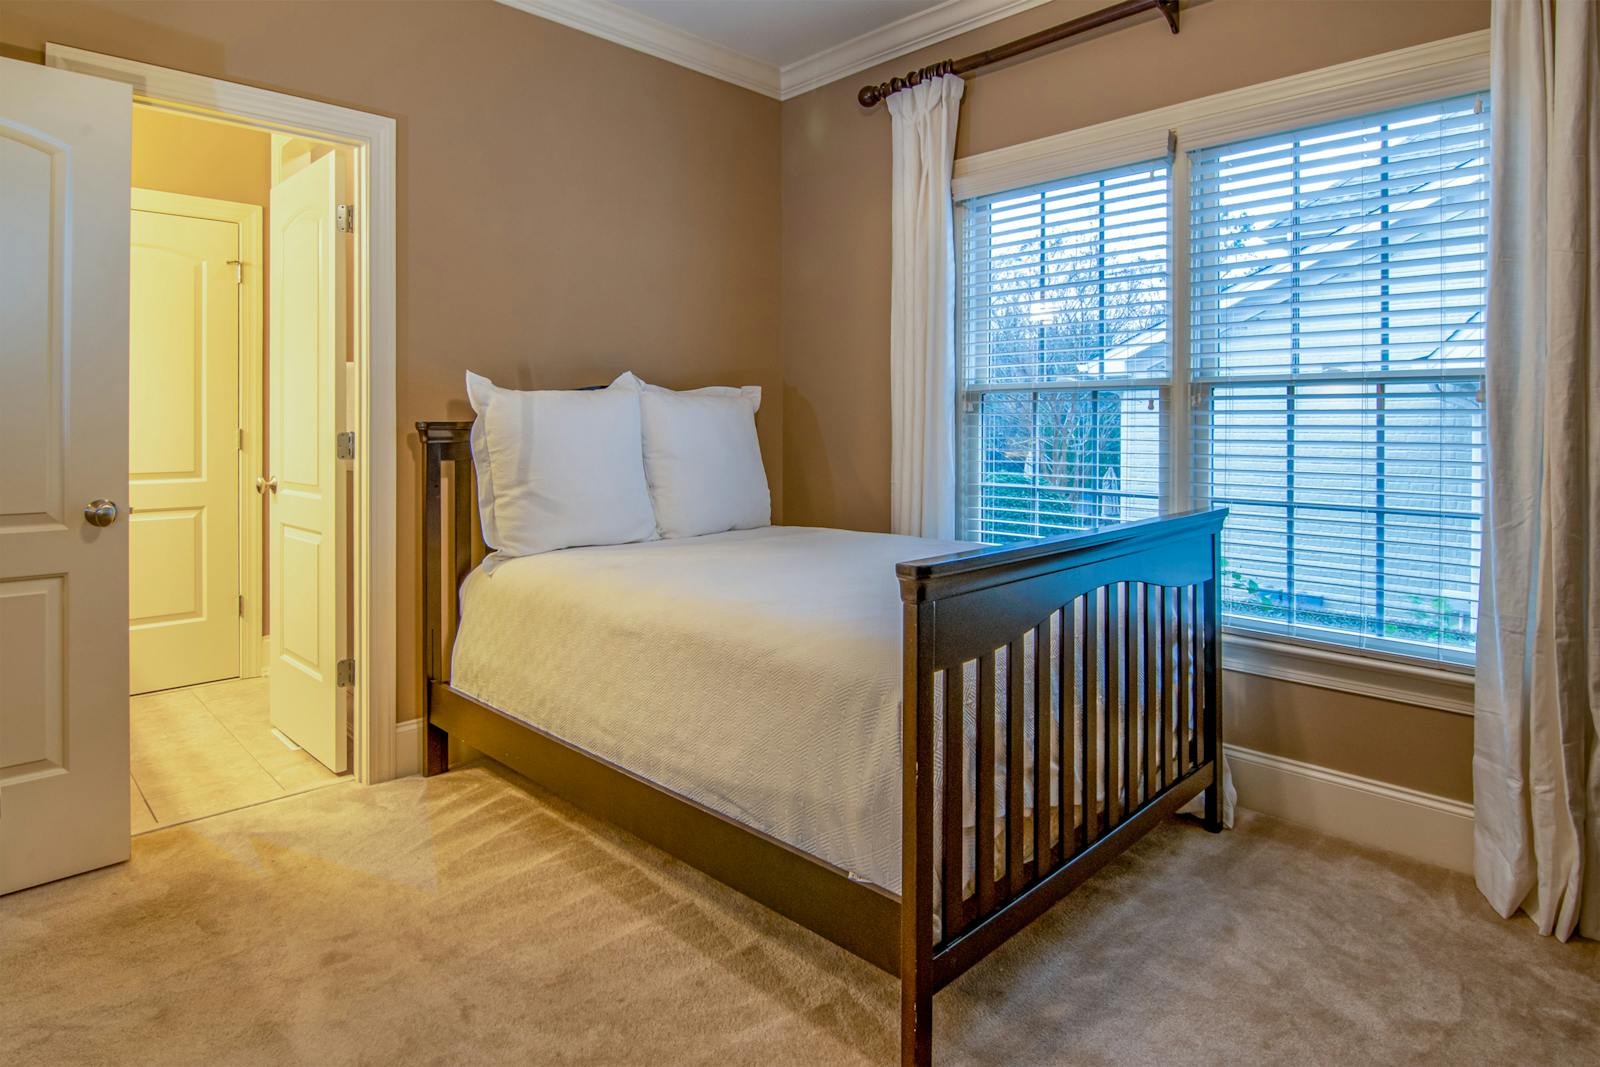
{"x": 240, "y": 483}
{"x": 65, "y": 134}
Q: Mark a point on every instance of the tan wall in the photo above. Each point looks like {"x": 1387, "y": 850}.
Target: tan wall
{"x": 179, "y": 154}
{"x": 835, "y": 307}
{"x": 1419, "y": 748}
{"x": 568, "y": 208}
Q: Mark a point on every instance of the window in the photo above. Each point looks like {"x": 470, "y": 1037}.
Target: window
{"x": 1328, "y": 393}
{"x": 1064, "y": 314}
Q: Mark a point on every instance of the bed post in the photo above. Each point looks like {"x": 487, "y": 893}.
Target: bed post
{"x": 917, "y": 849}
{"x": 1211, "y": 599}
{"x": 440, "y": 441}
{"x": 435, "y": 757}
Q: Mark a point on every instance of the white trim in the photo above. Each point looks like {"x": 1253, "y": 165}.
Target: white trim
{"x": 644, "y": 34}
{"x": 408, "y": 748}
{"x": 1347, "y": 671}
{"x": 1427, "y": 71}
{"x": 247, "y": 218}
{"x": 372, "y": 137}
{"x": 1418, "y": 825}
{"x": 914, "y": 31}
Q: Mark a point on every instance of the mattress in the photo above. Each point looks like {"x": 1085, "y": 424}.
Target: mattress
{"x": 755, "y": 672}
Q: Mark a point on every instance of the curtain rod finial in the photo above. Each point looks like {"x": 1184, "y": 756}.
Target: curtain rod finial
{"x": 869, "y": 95}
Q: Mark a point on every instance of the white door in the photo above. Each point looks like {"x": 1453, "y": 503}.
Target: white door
{"x": 183, "y": 450}
{"x": 306, "y": 377}
{"x": 64, "y": 144}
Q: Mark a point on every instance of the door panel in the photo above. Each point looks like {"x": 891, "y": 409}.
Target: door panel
{"x": 183, "y": 474}
{"x": 64, "y": 147}
{"x": 307, "y": 572}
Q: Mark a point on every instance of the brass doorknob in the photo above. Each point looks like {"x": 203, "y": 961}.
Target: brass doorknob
{"x": 100, "y": 513}
{"x": 267, "y": 483}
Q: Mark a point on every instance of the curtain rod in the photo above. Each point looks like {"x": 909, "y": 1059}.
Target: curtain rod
{"x": 871, "y": 94}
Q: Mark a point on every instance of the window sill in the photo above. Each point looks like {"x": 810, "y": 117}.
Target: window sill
{"x": 1348, "y": 672}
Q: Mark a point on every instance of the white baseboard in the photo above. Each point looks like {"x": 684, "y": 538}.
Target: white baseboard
{"x": 407, "y": 751}
{"x": 1417, "y": 825}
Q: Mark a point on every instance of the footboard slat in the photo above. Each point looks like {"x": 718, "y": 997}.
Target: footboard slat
{"x": 1169, "y": 691}
{"x": 1132, "y": 764}
{"x": 1067, "y": 773}
{"x": 1114, "y": 702}
{"x": 1016, "y": 774}
{"x": 1043, "y": 717}
{"x": 1197, "y": 700}
{"x": 1133, "y": 754}
{"x": 1152, "y": 691}
{"x": 955, "y": 783}
{"x": 1185, "y": 690}
{"x": 1093, "y": 671}
{"x": 983, "y": 869}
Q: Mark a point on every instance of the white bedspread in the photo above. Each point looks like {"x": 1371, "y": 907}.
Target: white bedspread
{"x": 756, "y": 672}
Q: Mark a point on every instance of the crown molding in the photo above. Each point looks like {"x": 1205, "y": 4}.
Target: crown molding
{"x": 623, "y": 26}
{"x": 938, "y": 23}
{"x": 642, "y": 34}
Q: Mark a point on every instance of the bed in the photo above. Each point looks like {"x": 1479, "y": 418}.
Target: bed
{"x": 736, "y": 699}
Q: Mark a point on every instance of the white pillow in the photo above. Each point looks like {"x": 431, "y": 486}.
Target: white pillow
{"x": 702, "y": 459}
{"x": 558, "y": 468}
{"x": 750, "y": 392}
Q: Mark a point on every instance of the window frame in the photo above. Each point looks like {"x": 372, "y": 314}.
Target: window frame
{"x": 1437, "y": 70}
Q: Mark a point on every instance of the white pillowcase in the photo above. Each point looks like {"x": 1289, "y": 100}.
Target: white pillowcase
{"x": 559, "y": 468}
{"x": 702, "y": 459}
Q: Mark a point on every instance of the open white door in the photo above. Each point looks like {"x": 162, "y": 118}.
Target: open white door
{"x": 183, "y": 475}
{"x": 306, "y": 538}
{"x": 64, "y": 187}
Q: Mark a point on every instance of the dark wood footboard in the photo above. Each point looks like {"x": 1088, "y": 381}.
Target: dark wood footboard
{"x": 1090, "y": 663}
{"x": 1094, "y": 660}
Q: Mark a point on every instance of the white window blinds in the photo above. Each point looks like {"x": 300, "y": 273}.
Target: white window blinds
{"x": 1337, "y": 297}
{"x": 1063, "y": 325}
{"x": 1329, "y": 394}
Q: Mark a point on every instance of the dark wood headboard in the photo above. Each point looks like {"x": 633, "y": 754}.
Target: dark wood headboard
{"x": 444, "y": 442}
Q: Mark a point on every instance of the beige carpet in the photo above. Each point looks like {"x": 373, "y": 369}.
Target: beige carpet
{"x": 467, "y": 920}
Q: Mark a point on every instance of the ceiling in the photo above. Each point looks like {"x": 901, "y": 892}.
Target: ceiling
{"x": 777, "y": 47}
{"x": 781, "y": 32}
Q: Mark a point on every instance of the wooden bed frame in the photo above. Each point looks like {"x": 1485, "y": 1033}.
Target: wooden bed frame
{"x": 1100, "y": 602}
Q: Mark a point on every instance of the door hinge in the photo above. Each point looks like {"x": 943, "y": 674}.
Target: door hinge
{"x": 346, "y": 674}
{"x": 238, "y": 271}
{"x": 241, "y": 439}
{"x": 345, "y": 445}
{"x": 344, "y": 216}
{"x": 241, "y": 605}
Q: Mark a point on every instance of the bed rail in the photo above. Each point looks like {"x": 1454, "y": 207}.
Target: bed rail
{"x": 1094, "y": 660}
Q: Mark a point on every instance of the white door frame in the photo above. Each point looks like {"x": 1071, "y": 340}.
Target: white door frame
{"x": 372, "y": 137}
{"x": 247, "y": 217}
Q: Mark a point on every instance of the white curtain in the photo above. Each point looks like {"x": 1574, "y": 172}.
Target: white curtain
{"x": 1536, "y": 769}
{"x": 922, "y": 351}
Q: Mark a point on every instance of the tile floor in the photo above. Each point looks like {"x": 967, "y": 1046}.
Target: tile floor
{"x": 209, "y": 749}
